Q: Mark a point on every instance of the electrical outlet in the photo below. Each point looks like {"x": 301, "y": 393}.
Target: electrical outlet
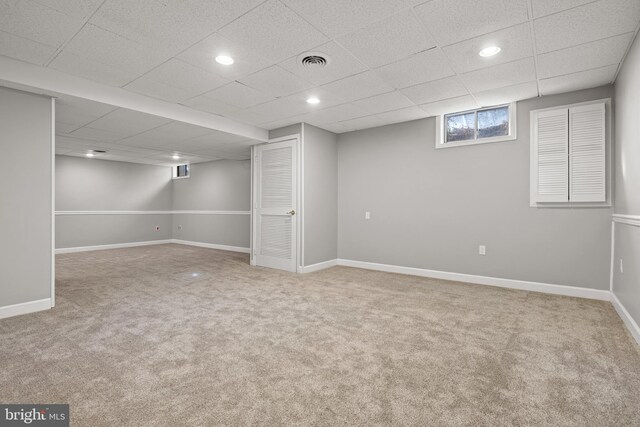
{"x": 367, "y": 215}
{"x": 179, "y": 227}
{"x": 621, "y": 266}
{"x": 482, "y": 250}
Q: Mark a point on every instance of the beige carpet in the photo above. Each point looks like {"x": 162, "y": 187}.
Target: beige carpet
{"x": 174, "y": 335}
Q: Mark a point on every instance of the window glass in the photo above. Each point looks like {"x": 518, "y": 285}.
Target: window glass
{"x": 493, "y": 122}
{"x": 461, "y": 127}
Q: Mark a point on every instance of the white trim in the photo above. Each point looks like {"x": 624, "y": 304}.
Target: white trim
{"x": 319, "y": 266}
{"x": 53, "y": 203}
{"x": 176, "y": 212}
{"x": 211, "y": 246}
{"x": 37, "y": 79}
{"x": 483, "y": 280}
{"x": 613, "y": 250}
{"x": 111, "y": 246}
{"x": 626, "y": 219}
{"x": 631, "y": 324}
{"x": 25, "y": 308}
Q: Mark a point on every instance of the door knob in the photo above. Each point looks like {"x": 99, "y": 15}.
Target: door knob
{"x": 292, "y": 212}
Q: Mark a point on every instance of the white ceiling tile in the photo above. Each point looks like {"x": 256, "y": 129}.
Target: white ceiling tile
{"x": 70, "y": 63}
{"x": 273, "y": 30}
{"x": 515, "y": 43}
{"x": 76, "y": 8}
{"x": 362, "y": 123}
{"x": 360, "y": 86}
{"x": 166, "y": 135}
{"x": 436, "y": 90}
{"x": 451, "y": 21}
{"x": 275, "y": 81}
{"x": 507, "y": 94}
{"x": 341, "y": 64}
{"x": 390, "y": 40}
{"x": 334, "y": 114}
{"x": 65, "y": 127}
{"x": 280, "y": 109}
{"x": 33, "y": 21}
{"x": 547, "y": 7}
{"x": 185, "y": 76}
{"x": 385, "y": 102}
{"x": 109, "y": 48}
{"x": 584, "y": 57}
{"x": 203, "y": 54}
{"x": 102, "y": 135}
{"x": 176, "y": 24}
{"x": 24, "y": 49}
{"x": 453, "y": 105}
{"x": 79, "y": 113}
{"x": 502, "y": 75}
{"x": 419, "y": 68}
{"x": 238, "y": 95}
{"x": 327, "y": 99}
{"x": 583, "y": 24}
{"x": 334, "y": 127}
{"x": 403, "y": 115}
{"x": 255, "y": 118}
{"x": 129, "y": 121}
{"x": 577, "y": 81}
{"x": 209, "y": 105}
{"x": 337, "y": 17}
{"x": 62, "y": 151}
{"x": 155, "y": 89}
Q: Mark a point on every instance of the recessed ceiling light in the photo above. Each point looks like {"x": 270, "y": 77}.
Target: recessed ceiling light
{"x": 313, "y": 100}
{"x": 224, "y": 60}
{"x": 489, "y": 51}
{"x": 90, "y": 155}
{"x": 175, "y": 157}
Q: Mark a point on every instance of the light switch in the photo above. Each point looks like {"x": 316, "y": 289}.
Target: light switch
{"x": 367, "y": 215}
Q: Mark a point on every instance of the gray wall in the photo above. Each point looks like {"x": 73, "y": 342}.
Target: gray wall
{"x": 432, "y": 208}
{"x": 25, "y": 197}
{"x": 102, "y": 185}
{"x": 223, "y": 185}
{"x": 285, "y": 131}
{"x": 320, "y": 195}
{"x": 626, "y": 286}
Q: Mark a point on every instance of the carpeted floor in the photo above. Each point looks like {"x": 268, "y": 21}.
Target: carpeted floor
{"x": 175, "y": 335}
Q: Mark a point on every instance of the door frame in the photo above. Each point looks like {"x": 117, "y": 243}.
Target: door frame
{"x": 300, "y": 190}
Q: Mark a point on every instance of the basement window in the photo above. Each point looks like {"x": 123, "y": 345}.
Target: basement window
{"x": 180, "y": 171}
{"x": 490, "y": 124}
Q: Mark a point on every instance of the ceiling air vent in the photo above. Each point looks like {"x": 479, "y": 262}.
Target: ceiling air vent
{"x": 313, "y": 60}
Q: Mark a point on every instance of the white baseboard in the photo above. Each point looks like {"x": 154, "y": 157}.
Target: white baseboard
{"x": 113, "y": 246}
{"x": 25, "y": 308}
{"x": 483, "y": 280}
{"x": 211, "y": 246}
{"x": 626, "y": 318}
{"x": 319, "y": 266}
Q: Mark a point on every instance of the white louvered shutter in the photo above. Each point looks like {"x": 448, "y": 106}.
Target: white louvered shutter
{"x": 551, "y": 156}
{"x": 587, "y": 170}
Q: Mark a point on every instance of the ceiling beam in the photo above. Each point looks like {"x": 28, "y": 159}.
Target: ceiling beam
{"x": 51, "y": 82}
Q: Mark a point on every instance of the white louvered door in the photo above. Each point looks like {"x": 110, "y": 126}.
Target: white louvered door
{"x": 587, "y": 153}
{"x": 551, "y": 156}
{"x": 275, "y": 205}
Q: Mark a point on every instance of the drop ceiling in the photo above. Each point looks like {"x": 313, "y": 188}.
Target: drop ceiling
{"x": 390, "y": 60}
{"x": 83, "y": 126}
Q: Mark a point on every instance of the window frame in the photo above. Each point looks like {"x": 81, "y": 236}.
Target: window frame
{"x": 174, "y": 171}
{"x": 441, "y": 133}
